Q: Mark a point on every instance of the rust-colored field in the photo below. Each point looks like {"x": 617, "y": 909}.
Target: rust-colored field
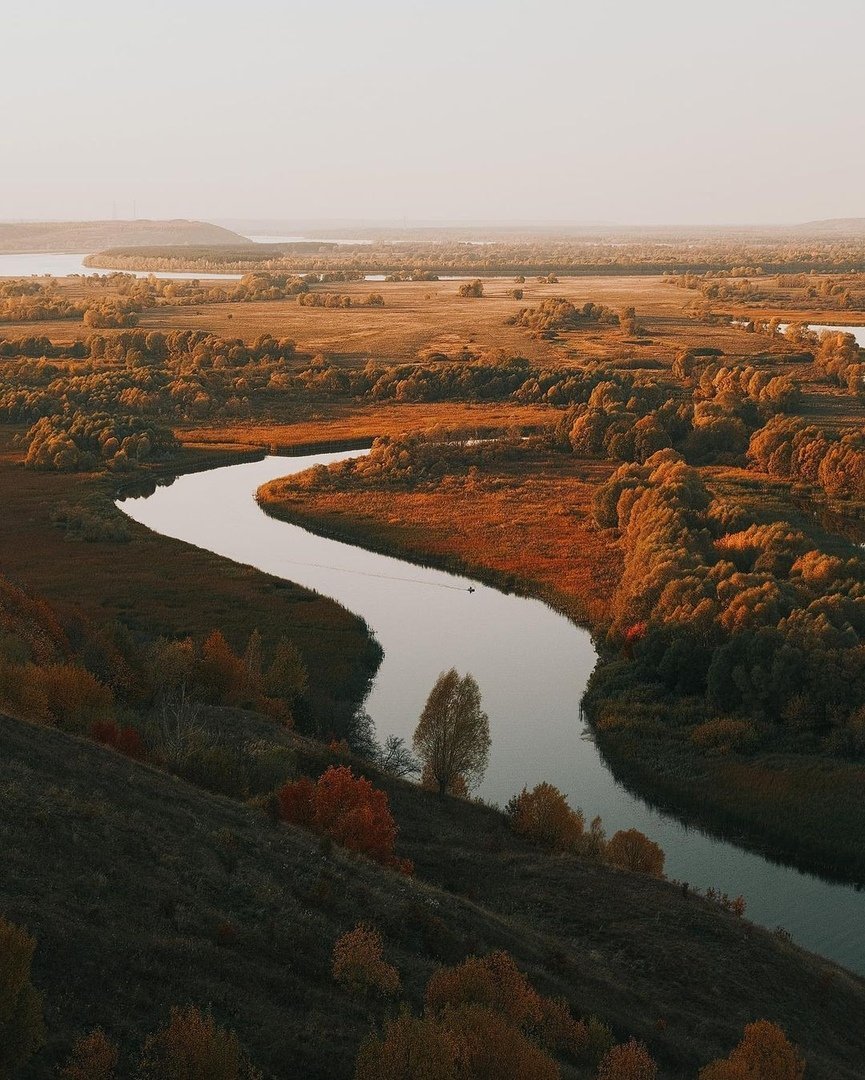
{"x": 335, "y": 424}
{"x": 528, "y": 525}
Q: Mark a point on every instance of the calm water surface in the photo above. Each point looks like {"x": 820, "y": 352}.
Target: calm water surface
{"x": 531, "y": 664}
{"x": 60, "y": 264}
{"x": 858, "y": 332}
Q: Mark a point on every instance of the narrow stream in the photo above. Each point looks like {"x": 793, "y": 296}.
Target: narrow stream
{"x": 531, "y": 663}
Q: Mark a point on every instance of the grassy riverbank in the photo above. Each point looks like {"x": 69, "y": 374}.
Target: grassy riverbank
{"x": 155, "y": 586}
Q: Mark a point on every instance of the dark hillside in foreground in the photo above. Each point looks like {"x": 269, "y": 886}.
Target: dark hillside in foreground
{"x": 83, "y": 236}
{"x": 144, "y": 892}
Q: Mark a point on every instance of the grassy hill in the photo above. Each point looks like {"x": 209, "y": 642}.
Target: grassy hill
{"x": 82, "y": 236}
{"x": 144, "y": 892}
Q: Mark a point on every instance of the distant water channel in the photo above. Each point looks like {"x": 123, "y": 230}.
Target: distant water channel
{"x": 858, "y": 332}
{"x": 61, "y": 264}
{"x": 531, "y": 664}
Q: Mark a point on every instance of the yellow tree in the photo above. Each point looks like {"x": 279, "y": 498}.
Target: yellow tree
{"x": 452, "y": 738}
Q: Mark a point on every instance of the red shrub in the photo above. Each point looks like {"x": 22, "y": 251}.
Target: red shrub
{"x": 346, "y": 808}
{"x": 296, "y": 802}
{"x": 124, "y": 740}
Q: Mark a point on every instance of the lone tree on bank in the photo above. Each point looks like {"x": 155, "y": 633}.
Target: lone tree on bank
{"x": 452, "y": 738}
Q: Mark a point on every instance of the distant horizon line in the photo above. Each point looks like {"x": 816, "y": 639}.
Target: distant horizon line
{"x": 405, "y": 223}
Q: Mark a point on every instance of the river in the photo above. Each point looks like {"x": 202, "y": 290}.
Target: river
{"x": 531, "y": 663}
{"x": 62, "y": 264}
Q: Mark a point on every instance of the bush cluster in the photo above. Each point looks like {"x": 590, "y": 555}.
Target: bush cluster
{"x": 347, "y": 809}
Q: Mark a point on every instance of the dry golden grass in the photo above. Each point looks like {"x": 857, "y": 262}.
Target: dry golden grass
{"x": 429, "y": 315}
{"x": 339, "y": 424}
{"x": 528, "y": 523}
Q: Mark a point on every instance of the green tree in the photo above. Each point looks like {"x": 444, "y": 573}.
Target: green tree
{"x": 286, "y": 677}
{"x": 452, "y": 738}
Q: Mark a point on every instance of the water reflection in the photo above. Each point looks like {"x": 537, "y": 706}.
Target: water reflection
{"x": 532, "y": 666}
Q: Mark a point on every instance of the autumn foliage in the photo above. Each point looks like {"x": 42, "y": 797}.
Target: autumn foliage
{"x": 193, "y": 1047}
{"x": 94, "y": 1057}
{"x": 358, "y": 963}
{"x": 495, "y": 983}
{"x": 125, "y": 740}
{"x": 348, "y": 810}
{"x": 630, "y": 1061}
{"x": 763, "y": 1054}
{"x": 482, "y": 1021}
{"x": 632, "y": 850}
{"x": 543, "y": 816}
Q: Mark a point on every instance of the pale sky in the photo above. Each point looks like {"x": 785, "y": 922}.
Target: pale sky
{"x": 641, "y": 112}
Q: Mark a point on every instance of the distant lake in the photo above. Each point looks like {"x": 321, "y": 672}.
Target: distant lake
{"x": 61, "y": 264}
{"x": 258, "y": 238}
{"x": 531, "y": 663}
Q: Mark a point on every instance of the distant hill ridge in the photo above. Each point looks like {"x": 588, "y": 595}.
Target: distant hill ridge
{"x": 850, "y": 226}
{"x": 86, "y": 236}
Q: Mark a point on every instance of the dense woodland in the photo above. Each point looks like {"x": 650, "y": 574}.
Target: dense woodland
{"x": 538, "y": 256}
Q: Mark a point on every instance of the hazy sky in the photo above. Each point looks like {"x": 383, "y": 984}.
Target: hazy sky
{"x": 652, "y": 111}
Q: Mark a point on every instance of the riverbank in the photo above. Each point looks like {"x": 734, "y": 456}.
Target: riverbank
{"x": 801, "y": 809}
{"x": 62, "y": 537}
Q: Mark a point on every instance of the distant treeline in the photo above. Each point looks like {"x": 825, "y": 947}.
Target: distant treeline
{"x": 708, "y": 411}
{"x": 639, "y": 257}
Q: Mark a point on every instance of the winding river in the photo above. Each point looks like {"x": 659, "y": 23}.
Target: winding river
{"x": 531, "y": 663}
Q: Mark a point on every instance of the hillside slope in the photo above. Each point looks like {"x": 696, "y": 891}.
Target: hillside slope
{"x": 84, "y": 236}
{"x": 144, "y": 892}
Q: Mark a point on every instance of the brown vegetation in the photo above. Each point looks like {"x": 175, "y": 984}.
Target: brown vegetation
{"x": 346, "y": 809}
{"x": 729, "y": 623}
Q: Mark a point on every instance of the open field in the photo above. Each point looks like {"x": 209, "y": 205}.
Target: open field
{"x": 528, "y": 525}
{"x": 429, "y": 316}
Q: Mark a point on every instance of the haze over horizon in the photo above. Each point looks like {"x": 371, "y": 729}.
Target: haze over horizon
{"x": 503, "y": 112}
